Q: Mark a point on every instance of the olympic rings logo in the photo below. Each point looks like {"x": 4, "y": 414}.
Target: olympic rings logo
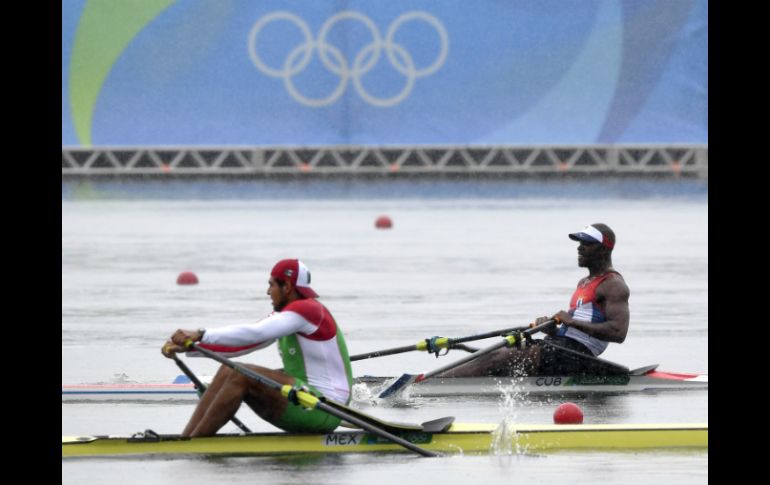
{"x": 333, "y": 59}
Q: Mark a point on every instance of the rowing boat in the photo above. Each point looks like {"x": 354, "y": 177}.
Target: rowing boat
{"x": 634, "y": 381}
{"x": 643, "y": 379}
{"x": 457, "y": 438}
{"x": 181, "y": 390}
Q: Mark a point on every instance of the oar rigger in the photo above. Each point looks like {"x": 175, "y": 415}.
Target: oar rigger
{"x": 508, "y": 341}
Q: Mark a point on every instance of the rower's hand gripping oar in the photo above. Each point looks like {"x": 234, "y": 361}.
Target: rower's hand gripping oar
{"x": 508, "y": 341}
{"x": 201, "y": 388}
{"x": 309, "y": 401}
{"x": 435, "y": 344}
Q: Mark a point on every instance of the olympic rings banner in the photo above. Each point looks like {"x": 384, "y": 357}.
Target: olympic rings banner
{"x": 396, "y": 72}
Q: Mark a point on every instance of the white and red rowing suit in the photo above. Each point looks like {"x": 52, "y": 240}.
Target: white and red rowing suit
{"x": 310, "y": 343}
{"x": 584, "y": 308}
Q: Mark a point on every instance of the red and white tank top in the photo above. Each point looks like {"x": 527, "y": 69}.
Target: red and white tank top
{"x": 584, "y": 307}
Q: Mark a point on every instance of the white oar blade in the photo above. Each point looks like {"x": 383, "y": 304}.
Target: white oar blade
{"x": 398, "y": 385}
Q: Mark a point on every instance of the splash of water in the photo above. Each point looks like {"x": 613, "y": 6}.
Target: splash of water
{"x": 504, "y": 437}
{"x": 362, "y": 394}
{"x": 121, "y": 378}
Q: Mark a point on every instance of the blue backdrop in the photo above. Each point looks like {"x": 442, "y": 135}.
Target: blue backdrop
{"x": 281, "y": 72}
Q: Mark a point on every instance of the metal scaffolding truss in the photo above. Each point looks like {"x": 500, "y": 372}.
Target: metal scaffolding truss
{"x": 352, "y": 160}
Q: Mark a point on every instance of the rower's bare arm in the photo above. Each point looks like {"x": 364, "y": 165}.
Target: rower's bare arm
{"x": 616, "y": 309}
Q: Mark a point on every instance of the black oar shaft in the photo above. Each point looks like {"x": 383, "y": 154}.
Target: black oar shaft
{"x": 318, "y": 404}
{"x": 496, "y": 333}
{"x": 423, "y": 346}
{"x": 201, "y": 387}
{"x": 380, "y": 353}
{"x": 372, "y": 429}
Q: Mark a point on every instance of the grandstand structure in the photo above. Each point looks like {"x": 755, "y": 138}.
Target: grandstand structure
{"x": 384, "y": 89}
{"x": 245, "y": 161}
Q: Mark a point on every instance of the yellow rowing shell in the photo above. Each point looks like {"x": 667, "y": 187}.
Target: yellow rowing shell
{"x": 459, "y": 438}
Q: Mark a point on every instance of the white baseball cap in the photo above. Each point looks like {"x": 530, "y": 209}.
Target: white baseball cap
{"x": 592, "y": 234}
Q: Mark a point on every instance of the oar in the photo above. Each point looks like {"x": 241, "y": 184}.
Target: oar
{"x": 436, "y": 343}
{"x": 508, "y": 341}
{"x": 201, "y": 387}
{"x": 309, "y": 401}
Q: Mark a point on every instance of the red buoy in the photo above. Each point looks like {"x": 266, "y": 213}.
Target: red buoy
{"x": 568, "y": 413}
{"x": 383, "y": 222}
{"x": 187, "y": 278}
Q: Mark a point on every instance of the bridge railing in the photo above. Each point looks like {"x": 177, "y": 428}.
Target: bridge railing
{"x": 352, "y": 160}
